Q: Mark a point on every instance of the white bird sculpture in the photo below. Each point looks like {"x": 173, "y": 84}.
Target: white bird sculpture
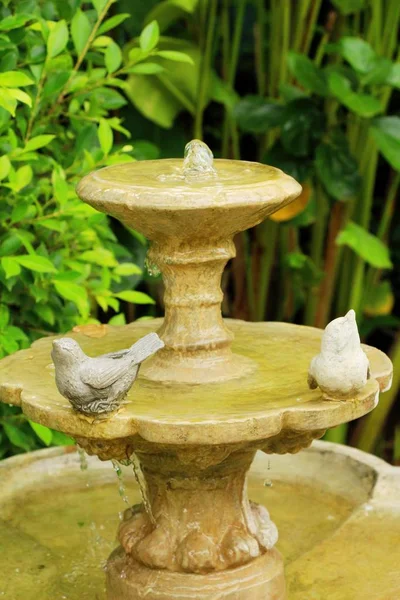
{"x": 341, "y": 369}
{"x": 97, "y": 386}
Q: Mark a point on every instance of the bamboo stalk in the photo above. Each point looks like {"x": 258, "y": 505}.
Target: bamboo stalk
{"x": 336, "y": 221}
{"x": 266, "y": 236}
{"x": 316, "y": 252}
{"x": 204, "y": 70}
{"x": 229, "y": 127}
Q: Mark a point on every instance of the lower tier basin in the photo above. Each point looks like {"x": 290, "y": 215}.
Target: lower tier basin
{"x": 337, "y": 510}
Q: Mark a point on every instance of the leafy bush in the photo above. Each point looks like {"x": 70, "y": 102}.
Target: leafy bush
{"x": 61, "y": 80}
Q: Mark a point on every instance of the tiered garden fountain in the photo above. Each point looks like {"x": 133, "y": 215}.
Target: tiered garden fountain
{"x": 219, "y": 391}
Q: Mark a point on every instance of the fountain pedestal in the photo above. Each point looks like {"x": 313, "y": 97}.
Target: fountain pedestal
{"x": 201, "y": 534}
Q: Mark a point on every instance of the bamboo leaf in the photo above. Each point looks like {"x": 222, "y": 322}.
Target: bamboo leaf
{"x": 307, "y": 73}
{"x": 363, "y": 105}
{"x": 365, "y": 245}
{"x": 255, "y": 114}
{"x": 358, "y": 53}
{"x": 386, "y": 133}
{"x": 347, "y": 7}
{"x": 337, "y": 169}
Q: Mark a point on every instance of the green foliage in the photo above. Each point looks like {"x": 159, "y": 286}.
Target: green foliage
{"x": 61, "y": 265}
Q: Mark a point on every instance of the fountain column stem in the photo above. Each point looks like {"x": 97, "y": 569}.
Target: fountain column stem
{"x": 203, "y": 531}
{"x": 193, "y": 296}
{"x": 197, "y": 341}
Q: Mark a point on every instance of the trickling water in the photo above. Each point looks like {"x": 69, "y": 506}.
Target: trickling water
{"x": 121, "y": 483}
{"x": 151, "y": 267}
{"x": 82, "y": 459}
{"x": 137, "y": 470}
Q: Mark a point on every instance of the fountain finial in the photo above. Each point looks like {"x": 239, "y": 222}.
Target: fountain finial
{"x": 198, "y": 159}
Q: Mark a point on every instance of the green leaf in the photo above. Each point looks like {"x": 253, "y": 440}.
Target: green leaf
{"x": 5, "y": 166}
{"x": 255, "y": 114}
{"x": 44, "y": 433}
{"x": 14, "y": 21}
{"x": 99, "y": 5}
{"x": 22, "y": 178}
{"x": 74, "y": 293}
{"x": 20, "y": 95}
{"x": 347, "y": 7}
{"x": 363, "y": 105}
{"x": 358, "y": 53}
{"x": 45, "y": 313}
{"x": 33, "y": 262}
{"x": 386, "y": 133}
{"x": 146, "y": 68}
{"x": 303, "y": 125}
{"x": 8, "y": 101}
{"x": 10, "y": 266}
{"x": 99, "y": 256}
{"x": 393, "y": 77}
{"x": 176, "y": 56}
{"x": 17, "y": 437}
{"x": 4, "y": 316}
{"x": 8, "y": 344}
{"x": 60, "y": 439}
{"x": 135, "y": 297}
{"x": 365, "y": 245}
{"x": 337, "y": 169}
{"x": 307, "y": 73}
{"x": 126, "y": 269}
{"x": 38, "y": 142}
{"x": 80, "y": 30}
{"x": 106, "y": 136}
{"x": 117, "y": 319}
{"x": 60, "y": 186}
{"x": 113, "y": 22}
{"x": 149, "y": 37}
{"x": 15, "y": 79}
{"x": 58, "y": 39}
{"x": 112, "y": 57}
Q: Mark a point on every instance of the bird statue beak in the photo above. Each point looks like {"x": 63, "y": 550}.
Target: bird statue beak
{"x": 351, "y": 315}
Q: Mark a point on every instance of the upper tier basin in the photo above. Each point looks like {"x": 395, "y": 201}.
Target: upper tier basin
{"x": 156, "y": 198}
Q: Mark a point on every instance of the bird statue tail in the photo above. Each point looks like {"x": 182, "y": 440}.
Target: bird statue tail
{"x": 145, "y": 347}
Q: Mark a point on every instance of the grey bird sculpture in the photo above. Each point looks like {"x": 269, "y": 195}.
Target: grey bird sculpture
{"x": 97, "y": 386}
{"x": 341, "y": 369}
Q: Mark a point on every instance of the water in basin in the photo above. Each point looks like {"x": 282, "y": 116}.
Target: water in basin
{"x": 57, "y": 539}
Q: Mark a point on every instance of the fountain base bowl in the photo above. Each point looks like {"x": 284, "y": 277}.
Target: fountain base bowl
{"x": 260, "y": 579}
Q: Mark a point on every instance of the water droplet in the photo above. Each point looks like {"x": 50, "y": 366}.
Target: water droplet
{"x": 137, "y": 470}
{"x": 268, "y": 483}
{"x": 82, "y": 458}
{"x": 121, "y": 484}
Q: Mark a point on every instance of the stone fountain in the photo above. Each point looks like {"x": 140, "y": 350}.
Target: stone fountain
{"x": 219, "y": 391}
